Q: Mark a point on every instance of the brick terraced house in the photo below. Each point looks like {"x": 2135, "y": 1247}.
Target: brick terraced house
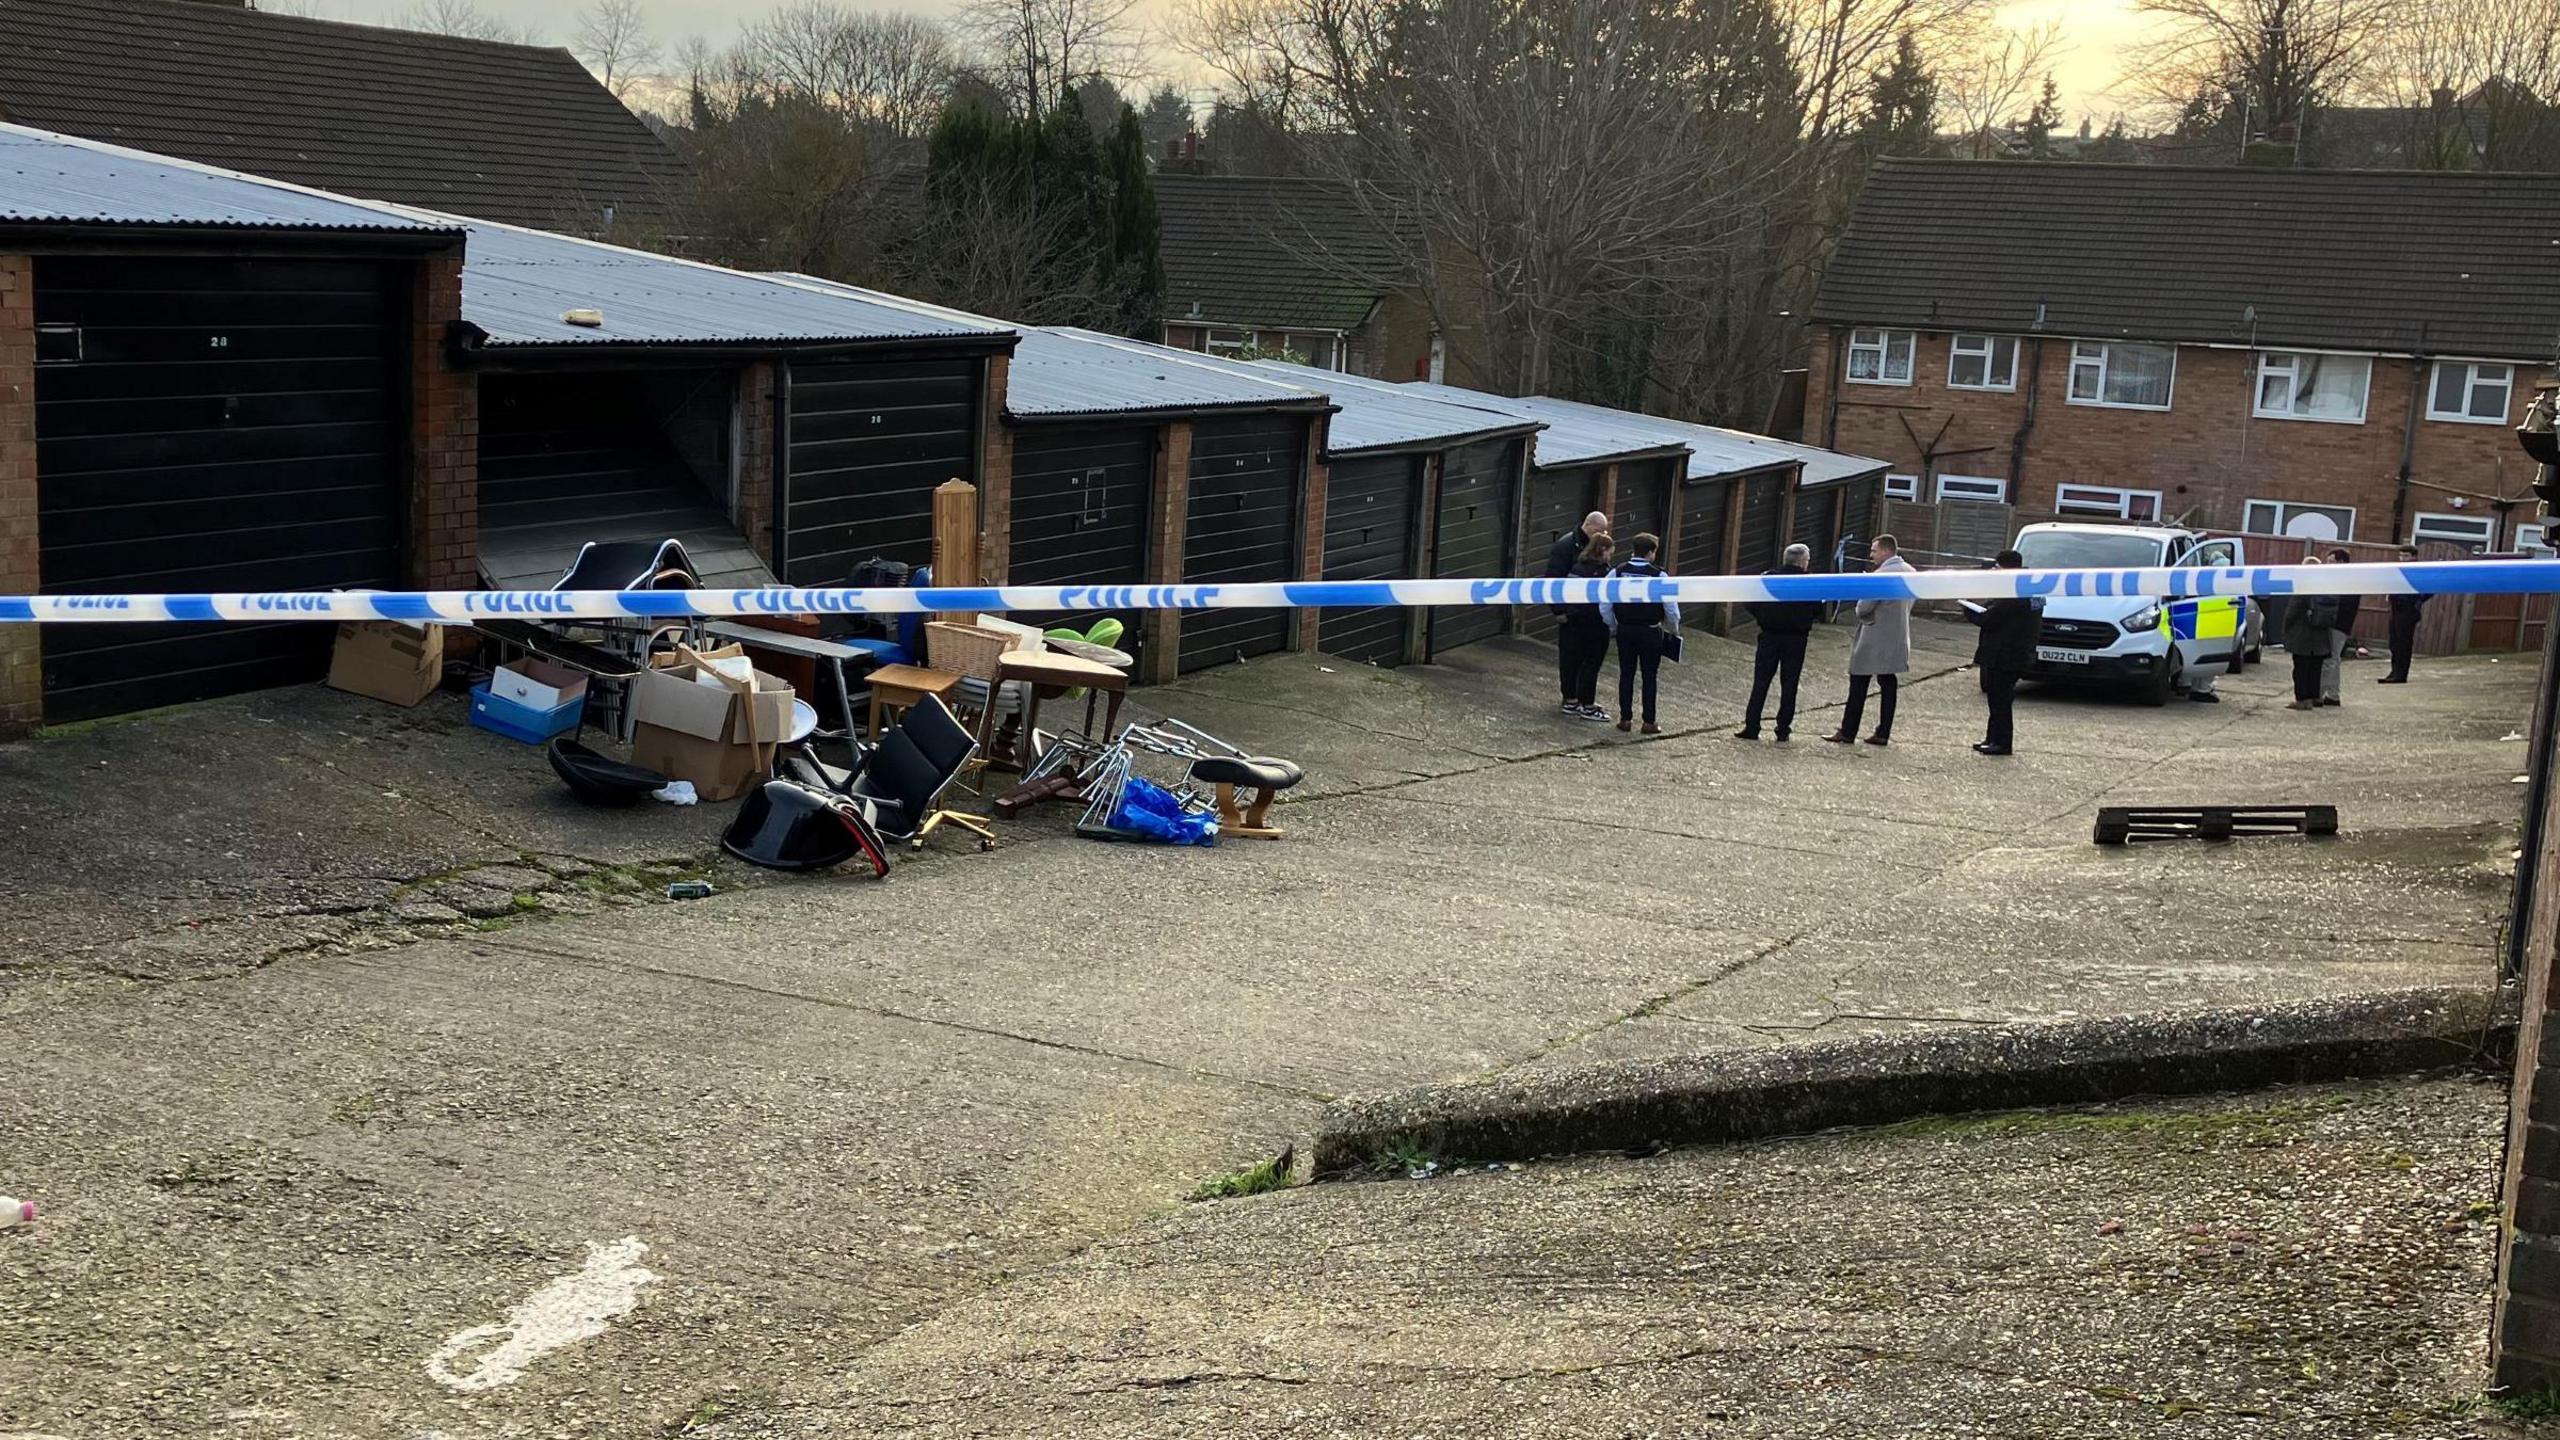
{"x": 2320, "y": 354}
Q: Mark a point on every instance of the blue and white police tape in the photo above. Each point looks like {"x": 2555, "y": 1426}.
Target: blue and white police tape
{"x": 2472, "y": 577}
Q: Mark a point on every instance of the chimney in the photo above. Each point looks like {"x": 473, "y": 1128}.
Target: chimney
{"x": 2442, "y": 98}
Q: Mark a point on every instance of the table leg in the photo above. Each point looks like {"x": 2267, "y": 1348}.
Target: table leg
{"x": 1111, "y": 717}
{"x": 1030, "y": 725}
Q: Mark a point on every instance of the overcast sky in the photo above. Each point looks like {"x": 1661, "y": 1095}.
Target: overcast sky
{"x": 2096, "y": 31}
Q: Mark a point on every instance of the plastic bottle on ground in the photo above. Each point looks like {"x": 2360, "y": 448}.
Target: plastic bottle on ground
{"x": 16, "y": 1212}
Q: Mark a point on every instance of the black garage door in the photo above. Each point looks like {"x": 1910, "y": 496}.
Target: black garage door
{"x": 1476, "y": 516}
{"x": 225, "y": 425}
{"x": 869, "y": 442}
{"x": 1762, "y": 498}
{"x": 1080, "y": 514}
{"x": 1858, "y": 521}
{"x": 1643, "y": 500}
{"x": 1816, "y": 530}
{"x": 1242, "y": 526}
{"x": 1558, "y": 499}
{"x": 1369, "y": 512}
{"x": 1702, "y": 526}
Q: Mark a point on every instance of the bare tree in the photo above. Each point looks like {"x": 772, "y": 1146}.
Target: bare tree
{"x": 1983, "y": 92}
{"x": 613, "y": 39}
{"x": 2477, "y": 80}
{"x": 1038, "y": 50}
{"x": 466, "y": 19}
{"x": 1836, "y": 44}
{"x": 2278, "y": 60}
{"x": 882, "y": 68}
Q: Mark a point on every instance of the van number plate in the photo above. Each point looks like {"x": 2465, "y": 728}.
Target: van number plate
{"x": 2055, "y": 655}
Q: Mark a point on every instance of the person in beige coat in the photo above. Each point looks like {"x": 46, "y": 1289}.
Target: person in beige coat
{"x": 1879, "y": 653}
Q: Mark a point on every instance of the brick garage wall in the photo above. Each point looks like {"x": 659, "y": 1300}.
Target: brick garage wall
{"x": 2525, "y": 1338}
{"x": 754, "y": 514}
{"x": 444, "y": 439}
{"x": 21, "y": 646}
{"x": 1318, "y": 490}
{"x": 2208, "y": 455}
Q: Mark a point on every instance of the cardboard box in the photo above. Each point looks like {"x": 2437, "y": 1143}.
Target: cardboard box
{"x": 718, "y": 770}
{"x": 537, "y": 684}
{"x": 388, "y": 660}
{"x": 714, "y": 736}
{"x": 675, "y": 699}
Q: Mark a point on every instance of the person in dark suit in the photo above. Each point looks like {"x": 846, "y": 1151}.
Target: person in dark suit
{"x": 1779, "y": 653}
{"x": 2003, "y": 653}
{"x": 1585, "y": 636}
{"x": 1560, "y": 560}
{"x": 2406, "y": 611}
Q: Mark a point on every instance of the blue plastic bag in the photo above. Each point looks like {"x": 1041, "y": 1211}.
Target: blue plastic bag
{"x": 1148, "y": 811}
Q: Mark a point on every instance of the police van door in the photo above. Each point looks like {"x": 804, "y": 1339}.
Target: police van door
{"x": 2207, "y": 630}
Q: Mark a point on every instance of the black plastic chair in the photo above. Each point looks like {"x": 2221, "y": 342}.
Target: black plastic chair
{"x": 903, "y": 780}
{"x": 631, "y": 565}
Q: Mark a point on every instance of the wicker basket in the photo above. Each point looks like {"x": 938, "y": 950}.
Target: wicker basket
{"x": 965, "y": 650}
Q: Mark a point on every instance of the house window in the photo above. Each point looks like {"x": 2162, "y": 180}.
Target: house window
{"x": 1880, "y": 357}
{"x": 2106, "y": 500}
{"x": 1902, "y": 487}
{"x": 1312, "y": 350}
{"x": 2302, "y": 522}
{"x": 2472, "y": 532}
{"x": 1225, "y": 342}
{"x": 2530, "y": 541}
{"x": 2135, "y": 377}
{"x": 1982, "y": 362}
{"x": 2296, "y": 385}
{"x": 1973, "y": 487}
{"x": 2471, "y": 392}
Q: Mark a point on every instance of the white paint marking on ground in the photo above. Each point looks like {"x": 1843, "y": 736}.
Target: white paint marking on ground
{"x": 564, "y": 1312}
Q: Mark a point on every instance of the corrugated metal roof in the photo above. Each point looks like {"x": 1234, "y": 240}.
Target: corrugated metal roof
{"x": 1715, "y": 451}
{"x": 50, "y": 179}
{"x": 1575, "y": 434}
{"x": 1379, "y": 415}
{"x": 1062, "y": 372}
{"x": 517, "y": 283}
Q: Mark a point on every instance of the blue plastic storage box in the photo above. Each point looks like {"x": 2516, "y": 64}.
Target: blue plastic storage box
{"x": 502, "y": 716}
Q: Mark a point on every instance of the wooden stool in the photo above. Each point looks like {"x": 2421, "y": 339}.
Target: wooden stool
{"x": 895, "y": 687}
{"x": 1266, "y": 776}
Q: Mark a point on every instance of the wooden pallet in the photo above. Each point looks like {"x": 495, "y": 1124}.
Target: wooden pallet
{"x": 2127, "y": 824}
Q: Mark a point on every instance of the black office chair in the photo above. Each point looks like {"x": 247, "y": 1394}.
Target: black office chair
{"x": 631, "y": 565}
{"x": 902, "y": 781}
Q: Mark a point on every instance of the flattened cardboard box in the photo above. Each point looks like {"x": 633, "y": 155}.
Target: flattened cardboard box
{"x": 387, "y": 660}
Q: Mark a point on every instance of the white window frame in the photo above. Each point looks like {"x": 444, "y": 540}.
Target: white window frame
{"x": 2287, "y": 365}
{"x": 2094, "y": 357}
{"x": 1304, "y": 344}
{"x": 1973, "y": 487}
{"x": 1988, "y": 349}
{"x": 2480, "y": 531}
{"x": 2092, "y": 500}
{"x": 2530, "y": 538}
{"x": 1880, "y": 343}
{"x": 2284, "y": 516}
{"x": 1902, "y": 487}
{"x": 1215, "y": 340}
{"x": 2471, "y": 382}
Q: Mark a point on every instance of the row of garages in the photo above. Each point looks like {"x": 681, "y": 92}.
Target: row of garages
{"x": 238, "y": 385}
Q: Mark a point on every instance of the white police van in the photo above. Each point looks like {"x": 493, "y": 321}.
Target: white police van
{"x": 2148, "y": 646}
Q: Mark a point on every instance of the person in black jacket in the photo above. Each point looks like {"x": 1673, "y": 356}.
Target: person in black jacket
{"x": 1560, "y": 557}
{"x": 2004, "y": 653}
{"x": 2309, "y": 621}
{"x": 1779, "y": 655}
{"x": 1585, "y": 636}
{"x": 2406, "y": 610}
{"x": 1644, "y": 629}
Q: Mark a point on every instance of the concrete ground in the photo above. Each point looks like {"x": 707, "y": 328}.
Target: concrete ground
{"x": 333, "y": 1034}
{"x": 2299, "y": 1263}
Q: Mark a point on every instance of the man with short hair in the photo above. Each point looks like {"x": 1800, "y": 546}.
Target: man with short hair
{"x": 2406, "y": 610}
{"x": 2004, "y": 653}
{"x": 1779, "y": 652}
{"x": 1560, "y": 557}
{"x": 1643, "y": 628}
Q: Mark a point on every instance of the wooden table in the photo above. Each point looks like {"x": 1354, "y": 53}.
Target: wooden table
{"x": 1045, "y": 673}
{"x": 1049, "y": 673}
{"x": 895, "y": 687}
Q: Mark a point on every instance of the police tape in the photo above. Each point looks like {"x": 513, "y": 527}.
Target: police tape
{"x": 2461, "y": 577}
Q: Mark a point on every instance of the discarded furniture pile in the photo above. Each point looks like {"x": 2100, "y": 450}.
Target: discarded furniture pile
{"x": 841, "y": 748}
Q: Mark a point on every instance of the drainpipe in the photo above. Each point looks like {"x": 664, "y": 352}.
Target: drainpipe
{"x": 2027, "y": 421}
{"x": 1833, "y": 372}
{"x": 2409, "y": 436}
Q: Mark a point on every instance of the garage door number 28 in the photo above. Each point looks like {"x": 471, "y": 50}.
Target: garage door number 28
{"x": 220, "y": 342}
